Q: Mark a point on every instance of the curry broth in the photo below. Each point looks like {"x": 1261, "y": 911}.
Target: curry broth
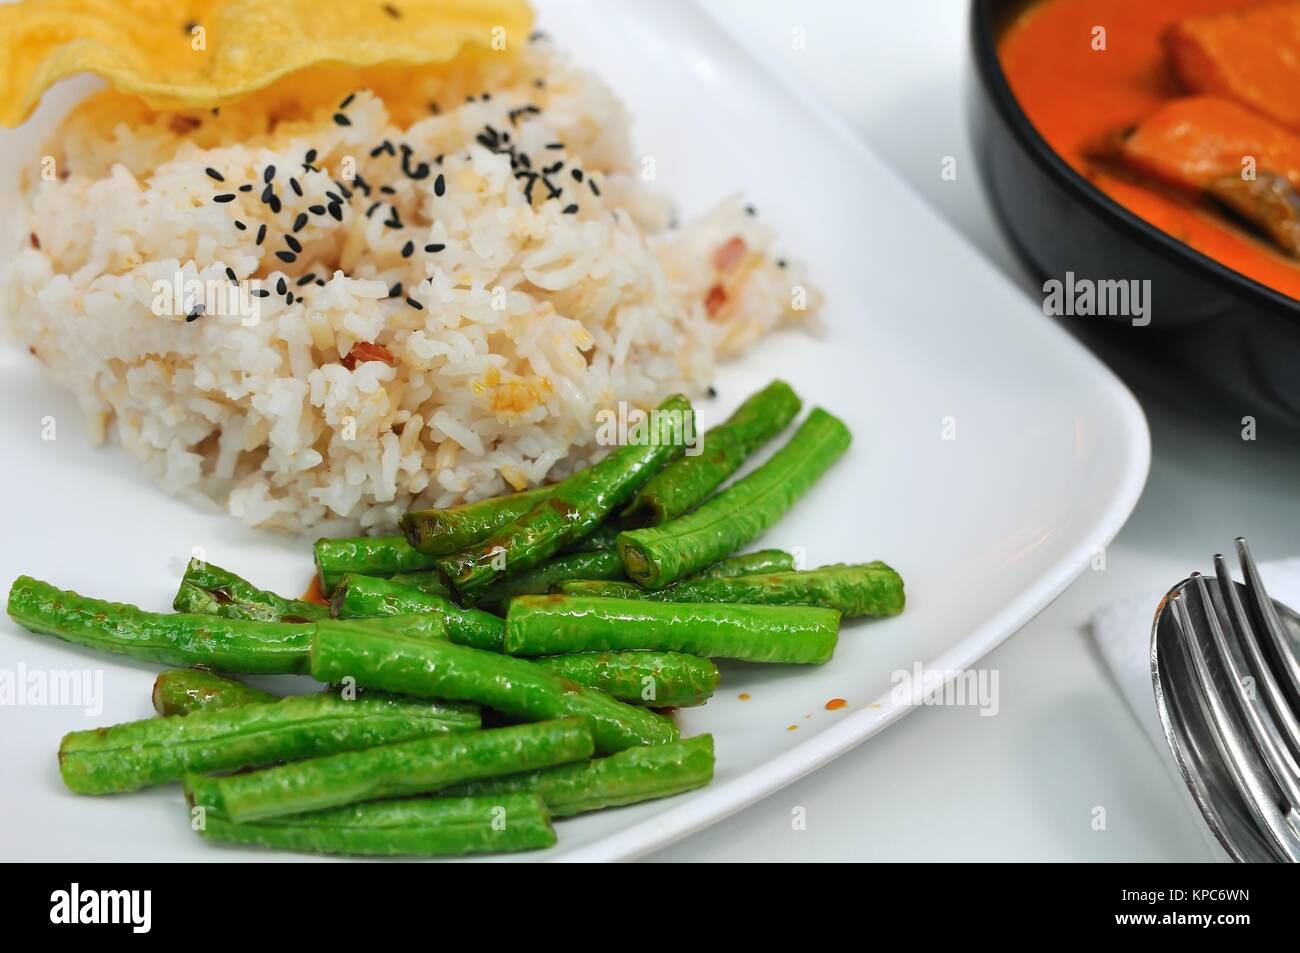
{"x": 1079, "y": 98}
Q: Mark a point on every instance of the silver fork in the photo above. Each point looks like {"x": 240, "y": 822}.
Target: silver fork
{"x": 1257, "y": 774}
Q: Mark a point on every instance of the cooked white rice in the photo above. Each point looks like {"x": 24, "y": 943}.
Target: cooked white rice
{"x": 532, "y": 319}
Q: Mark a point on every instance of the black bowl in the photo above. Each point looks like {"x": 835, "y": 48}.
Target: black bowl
{"x": 1213, "y": 331}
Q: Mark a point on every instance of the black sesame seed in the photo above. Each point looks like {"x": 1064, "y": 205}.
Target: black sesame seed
{"x": 286, "y": 256}
{"x": 293, "y": 184}
{"x": 415, "y": 304}
{"x": 750, "y": 210}
{"x": 268, "y": 174}
{"x": 395, "y": 291}
{"x": 240, "y": 225}
{"x": 780, "y": 263}
{"x": 342, "y": 120}
{"x": 188, "y": 26}
{"x": 487, "y": 97}
{"x": 310, "y": 157}
{"x": 539, "y": 83}
{"x": 261, "y": 293}
{"x": 321, "y": 282}
{"x": 268, "y": 193}
{"x": 316, "y": 209}
{"x": 194, "y": 315}
{"x": 245, "y": 187}
{"x": 293, "y": 243}
{"x": 370, "y": 211}
{"x": 408, "y": 249}
{"x": 230, "y": 273}
{"x": 224, "y": 197}
{"x": 334, "y": 196}
{"x": 570, "y": 209}
{"x": 306, "y": 279}
{"x": 214, "y": 174}
{"x": 347, "y": 100}
{"x": 434, "y": 247}
{"x": 555, "y": 145}
{"x": 300, "y": 222}
{"x": 392, "y": 11}
{"x": 440, "y": 186}
{"x": 433, "y": 108}
{"x": 712, "y": 391}
{"x": 592, "y": 183}
{"x": 388, "y": 190}
{"x": 383, "y": 147}
{"x": 552, "y": 169}
{"x": 336, "y": 211}
{"x": 281, "y": 287}
{"x": 288, "y": 297}
{"x": 577, "y": 175}
{"x": 261, "y": 234}
{"x": 275, "y": 204}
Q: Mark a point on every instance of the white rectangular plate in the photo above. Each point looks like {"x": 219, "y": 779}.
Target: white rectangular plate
{"x": 924, "y": 341}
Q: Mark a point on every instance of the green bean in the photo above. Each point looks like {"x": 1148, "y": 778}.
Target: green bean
{"x": 367, "y": 555}
{"x": 426, "y": 580}
{"x": 369, "y": 597}
{"x": 514, "y": 687}
{"x": 601, "y": 564}
{"x": 658, "y": 556}
{"x": 181, "y": 690}
{"x": 859, "y": 589}
{"x": 393, "y": 770}
{"x": 447, "y": 531}
{"x": 420, "y": 827}
{"x": 747, "y": 564}
{"x": 685, "y": 483}
{"x": 657, "y": 679}
{"x": 206, "y": 588}
{"x": 137, "y": 754}
{"x": 576, "y": 507}
{"x": 232, "y": 645}
{"x": 603, "y": 589}
{"x": 637, "y": 774}
{"x": 555, "y": 625}
{"x": 604, "y": 536}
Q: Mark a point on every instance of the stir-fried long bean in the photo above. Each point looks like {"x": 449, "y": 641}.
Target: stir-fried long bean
{"x": 637, "y": 774}
{"x": 658, "y": 556}
{"x": 554, "y": 625}
{"x": 180, "y": 690}
{"x": 366, "y": 555}
{"x": 417, "y": 827}
{"x": 601, "y": 564}
{"x": 688, "y": 481}
{"x": 514, "y": 687}
{"x": 369, "y": 597}
{"x": 657, "y": 679}
{"x": 209, "y": 589}
{"x": 233, "y": 645}
{"x": 859, "y": 589}
{"x": 446, "y": 531}
{"x": 392, "y": 770}
{"x": 573, "y": 510}
{"x": 156, "y": 750}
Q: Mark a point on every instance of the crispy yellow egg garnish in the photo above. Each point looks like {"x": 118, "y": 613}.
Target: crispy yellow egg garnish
{"x": 186, "y": 54}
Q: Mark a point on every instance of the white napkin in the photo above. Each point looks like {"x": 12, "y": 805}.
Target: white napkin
{"x": 1122, "y": 633}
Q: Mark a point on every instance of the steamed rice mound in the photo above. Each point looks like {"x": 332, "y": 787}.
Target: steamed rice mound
{"x": 446, "y": 347}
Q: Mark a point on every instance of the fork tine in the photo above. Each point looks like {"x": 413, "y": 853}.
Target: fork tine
{"x": 1284, "y": 657}
{"x": 1273, "y": 750}
{"x": 1284, "y": 718}
{"x": 1256, "y": 785}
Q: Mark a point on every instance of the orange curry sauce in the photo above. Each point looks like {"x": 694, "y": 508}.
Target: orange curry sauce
{"x": 1079, "y": 98}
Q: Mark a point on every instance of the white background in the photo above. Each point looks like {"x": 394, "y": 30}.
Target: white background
{"x": 947, "y": 783}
